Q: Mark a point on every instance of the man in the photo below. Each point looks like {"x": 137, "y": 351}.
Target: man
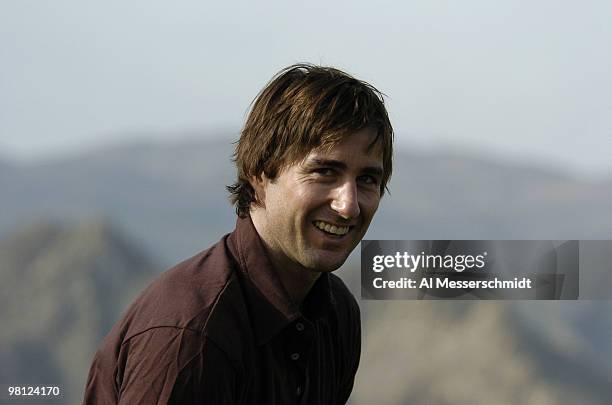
{"x": 258, "y": 318}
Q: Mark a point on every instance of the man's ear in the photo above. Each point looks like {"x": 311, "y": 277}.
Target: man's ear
{"x": 259, "y": 184}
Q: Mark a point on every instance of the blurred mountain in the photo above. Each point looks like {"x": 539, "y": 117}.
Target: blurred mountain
{"x": 171, "y": 197}
{"x": 460, "y": 352}
{"x": 61, "y": 290}
{"x": 4, "y": 165}
{"x": 452, "y": 196}
{"x": 6, "y": 170}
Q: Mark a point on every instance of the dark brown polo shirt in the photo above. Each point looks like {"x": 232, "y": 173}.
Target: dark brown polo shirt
{"x": 219, "y": 328}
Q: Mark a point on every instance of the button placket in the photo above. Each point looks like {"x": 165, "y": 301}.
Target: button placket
{"x": 295, "y": 354}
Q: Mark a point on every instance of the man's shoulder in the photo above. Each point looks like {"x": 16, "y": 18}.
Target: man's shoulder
{"x": 346, "y": 303}
{"x": 186, "y": 295}
{"x": 170, "y": 327}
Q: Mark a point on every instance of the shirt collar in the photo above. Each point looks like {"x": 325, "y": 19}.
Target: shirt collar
{"x": 267, "y": 299}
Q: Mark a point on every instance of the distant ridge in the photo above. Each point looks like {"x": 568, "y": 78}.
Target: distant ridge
{"x": 459, "y": 352}
{"x": 62, "y": 289}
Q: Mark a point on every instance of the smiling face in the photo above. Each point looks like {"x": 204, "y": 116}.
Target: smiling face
{"x": 315, "y": 212}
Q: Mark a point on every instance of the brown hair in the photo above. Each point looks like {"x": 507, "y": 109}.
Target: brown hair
{"x": 304, "y": 107}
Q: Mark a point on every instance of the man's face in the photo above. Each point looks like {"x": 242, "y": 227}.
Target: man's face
{"x": 316, "y": 211}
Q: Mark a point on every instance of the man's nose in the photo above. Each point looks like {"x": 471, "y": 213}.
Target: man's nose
{"x": 345, "y": 201}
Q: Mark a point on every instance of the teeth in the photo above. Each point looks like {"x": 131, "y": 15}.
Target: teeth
{"x": 336, "y": 230}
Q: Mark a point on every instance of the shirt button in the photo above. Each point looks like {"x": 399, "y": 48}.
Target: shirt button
{"x": 295, "y": 356}
{"x": 299, "y": 326}
{"x": 298, "y": 391}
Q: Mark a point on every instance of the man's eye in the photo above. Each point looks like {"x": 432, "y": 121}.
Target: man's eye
{"x": 324, "y": 171}
{"x": 367, "y": 179}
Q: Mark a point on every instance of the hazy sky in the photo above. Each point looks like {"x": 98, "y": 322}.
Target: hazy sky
{"x": 524, "y": 79}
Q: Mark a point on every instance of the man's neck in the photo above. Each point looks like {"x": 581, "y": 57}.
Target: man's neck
{"x": 295, "y": 279}
{"x": 297, "y": 282}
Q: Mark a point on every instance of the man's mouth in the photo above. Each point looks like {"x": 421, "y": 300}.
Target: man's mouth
{"x": 331, "y": 229}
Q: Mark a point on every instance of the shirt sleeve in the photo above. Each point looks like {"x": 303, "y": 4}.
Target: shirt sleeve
{"x": 168, "y": 366}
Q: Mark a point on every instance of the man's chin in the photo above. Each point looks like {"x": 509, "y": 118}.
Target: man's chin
{"x": 323, "y": 263}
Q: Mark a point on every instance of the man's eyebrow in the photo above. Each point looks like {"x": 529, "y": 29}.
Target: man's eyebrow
{"x": 326, "y": 162}
{"x": 373, "y": 170}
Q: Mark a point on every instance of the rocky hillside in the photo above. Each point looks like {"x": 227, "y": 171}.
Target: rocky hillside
{"x": 460, "y": 352}
{"x": 61, "y": 289}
